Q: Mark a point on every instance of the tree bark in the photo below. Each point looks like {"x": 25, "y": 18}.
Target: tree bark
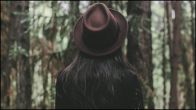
{"x": 193, "y": 28}
{"x": 50, "y": 36}
{"x": 140, "y": 56}
{"x": 71, "y": 48}
{"x": 189, "y": 95}
{"x": 174, "y": 43}
{"x": 24, "y": 87}
{"x": 146, "y": 47}
{"x": 164, "y": 61}
{"x": 189, "y": 92}
{"x": 5, "y": 48}
{"x": 193, "y": 48}
{"x": 133, "y": 52}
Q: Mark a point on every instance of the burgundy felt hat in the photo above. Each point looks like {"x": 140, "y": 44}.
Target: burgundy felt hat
{"x": 100, "y": 31}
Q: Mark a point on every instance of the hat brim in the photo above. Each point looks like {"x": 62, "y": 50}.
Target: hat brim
{"x": 123, "y": 28}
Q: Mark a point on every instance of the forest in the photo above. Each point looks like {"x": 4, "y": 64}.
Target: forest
{"x": 36, "y": 45}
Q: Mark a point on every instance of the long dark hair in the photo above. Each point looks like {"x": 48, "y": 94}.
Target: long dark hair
{"x": 98, "y": 82}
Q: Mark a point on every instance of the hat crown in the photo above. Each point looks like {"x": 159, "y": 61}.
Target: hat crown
{"x": 97, "y": 18}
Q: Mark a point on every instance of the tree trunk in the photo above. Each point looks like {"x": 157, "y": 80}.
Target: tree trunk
{"x": 50, "y": 36}
{"x": 164, "y": 72}
{"x": 71, "y": 48}
{"x": 193, "y": 48}
{"x": 23, "y": 68}
{"x": 5, "y": 47}
{"x": 140, "y": 56}
{"x": 174, "y": 43}
{"x": 164, "y": 61}
{"x": 133, "y": 52}
{"x": 193, "y": 28}
{"x": 189, "y": 103}
{"x": 189, "y": 92}
{"x": 146, "y": 47}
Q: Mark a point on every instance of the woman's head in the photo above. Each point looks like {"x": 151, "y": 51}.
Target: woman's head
{"x": 100, "y": 31}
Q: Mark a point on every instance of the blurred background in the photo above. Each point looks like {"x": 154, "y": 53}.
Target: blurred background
{"x": 36, "y": 44}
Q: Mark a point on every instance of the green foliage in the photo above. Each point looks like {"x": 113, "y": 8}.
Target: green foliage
{"x": 17, "y": 50}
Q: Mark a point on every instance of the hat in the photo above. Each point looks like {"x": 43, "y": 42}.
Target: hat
{"x": 100, "y": 31}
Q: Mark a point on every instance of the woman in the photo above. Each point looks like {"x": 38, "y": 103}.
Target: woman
{"x": 99, "y": 76}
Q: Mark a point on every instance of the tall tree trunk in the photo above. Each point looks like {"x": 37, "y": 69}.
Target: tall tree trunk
{"x": 189, "y": 92}
{"x": 50, "y": 36}
{"x": 164, "y": 61}
{"x": 146, "y": 47}
{"x": 140, "y": 56}
{"x": 174, "y": 43}
{"x": 71, "y": 48}
{"x": 133, "y": 52}
{"x": 189, "y": 95}
{"x": 193, "y": 47}
{"x": 193, "y": 28}
{"x": 5, "y": 48}
{"x": 23, "y": 68}
{"x": 164, "y": 72}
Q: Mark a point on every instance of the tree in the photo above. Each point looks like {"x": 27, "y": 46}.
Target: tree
{"x": 164, "y": 61}
{"x": 146, "y": 47}
{"x": 71, "y": 48}
{"x": 5, "y": 48}
{"x": 21, "y": 36}
{"x": 193, "y": 46}
{"x": 193, "y": 27}
{"x": 174, "y": 43}
{"x": 139, "y": 47}
{"x": 186, "y": 63}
